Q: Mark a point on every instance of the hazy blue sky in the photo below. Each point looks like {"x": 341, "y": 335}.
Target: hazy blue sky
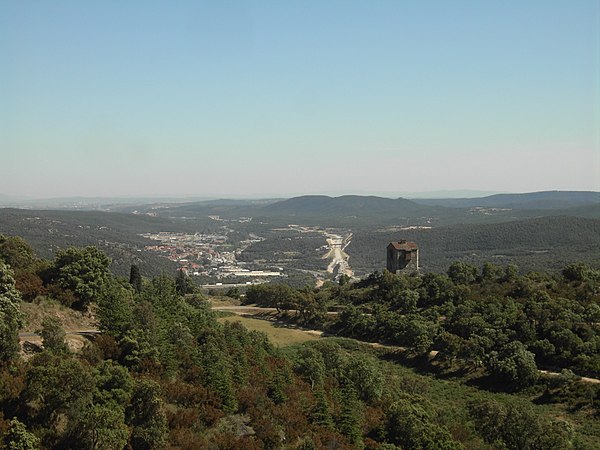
{"x": 257, "y": 98}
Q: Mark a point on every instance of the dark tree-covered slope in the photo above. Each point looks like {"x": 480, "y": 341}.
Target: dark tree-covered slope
{"x": 530, "y": 200}
{"x": 547, "y": 242}
{"x": 117, "y": 234}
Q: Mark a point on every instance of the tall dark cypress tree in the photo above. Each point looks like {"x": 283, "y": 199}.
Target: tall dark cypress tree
{"x": 321, "y": 414}
{"x": 135, "y": 279}
{"x": 349, "y": 420}
{"x": 183, "y": 283}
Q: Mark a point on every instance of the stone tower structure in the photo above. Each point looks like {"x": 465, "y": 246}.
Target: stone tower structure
{"x": 402, "y": 256}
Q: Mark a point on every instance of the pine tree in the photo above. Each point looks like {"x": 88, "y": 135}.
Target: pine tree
{"x": 320, "y": 414}
{"x": 349, "y": 420}
{"x": 11, "y": 317}
{"x": 183, "y": 283}
{"x": 135, "y": 279}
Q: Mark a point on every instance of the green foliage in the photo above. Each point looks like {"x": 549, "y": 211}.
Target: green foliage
{"x": 218, "y": 373}
{"x": 16, "y": 252}
{"x": 99, "y": 427}
{"x": 11, "y": 318}
{"x": 147, "y": 417}
{"x": 491, "y": 272}
{"x": 311, "y": 366}
{"x": 115, "y": 309}
{"x": 53, "y": 335}
{"x": 365, "y": 378}
{"x": 462, "y": 273}
{"x": 349, "y": 419}
{"x": 135, "y": 278}
{"x": 321, "y": 413}
{"x": 410, "y": 425}
{"x": 579, "y": 272}
{"x": 184, "y": 284}
{"x": 514, "y": 364}
{"x": 518, "y": 427}
{"x": 82, "y": 271}
{"x": 405, "y": 302}
{"x": 114, "y": 384}
{"x": 55, "y": 383}
{"x": 18, "y": 438}
{"x": 278, "y": 296}
{"x": 165, "y": 374}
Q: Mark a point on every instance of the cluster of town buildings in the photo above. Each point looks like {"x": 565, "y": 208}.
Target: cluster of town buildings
{"x": 205, "y": 254}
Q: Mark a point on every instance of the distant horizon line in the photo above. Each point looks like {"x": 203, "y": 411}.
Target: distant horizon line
{"x": 437, "y": 194}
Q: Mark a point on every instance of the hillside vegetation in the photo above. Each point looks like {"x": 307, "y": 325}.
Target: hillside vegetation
{"x": 165, "y": 373}
{"x": 117, "y": 234}
{"x": 541, "y": 243}
{"x": 531, "y": 200}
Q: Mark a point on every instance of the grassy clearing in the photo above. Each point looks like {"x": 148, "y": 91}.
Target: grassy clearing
{"x": 70, "y": 319}
{"x": 277, "y": 333}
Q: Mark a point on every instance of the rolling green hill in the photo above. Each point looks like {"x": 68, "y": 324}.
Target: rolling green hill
{"x": 531, "y": 200}
{"x": 541, "y": 243}
{"x": 117, "y": 234}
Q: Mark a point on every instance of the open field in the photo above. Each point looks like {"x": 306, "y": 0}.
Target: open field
{"x": 279, "y": 335}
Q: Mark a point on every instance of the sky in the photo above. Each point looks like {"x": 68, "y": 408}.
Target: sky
{"x": 278, "y": 98}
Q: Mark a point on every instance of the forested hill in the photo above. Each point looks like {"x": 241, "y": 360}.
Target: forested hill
{"x": 346, "y": 204}
{"x": 115, "y": 233}
{"x": 356, "y": 211}
{"x": 163, "y": 371}
{"x": 542, "y": 243}
{"x": 531, "y": 200}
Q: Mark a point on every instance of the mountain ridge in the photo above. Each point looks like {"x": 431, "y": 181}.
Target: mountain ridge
{"x": 527, "y": 200}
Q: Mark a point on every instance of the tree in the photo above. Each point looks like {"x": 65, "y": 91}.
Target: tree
{"x": 18, "y": 438}
{"x": 405, "y": 301}
{"x": 16, "y": 252}
{"x": 113, "y": 384}
{"x": 516, "y": 426}
{"x": 343, "y": 280}
{"x": 217, "y": 372}
{"x": 320, "y": 413}
{"x": 55, "y": 384}
{"x": 420, "y": 334}
{"x": 29, "y": 284}
{"x": 115, "y": 309}
{"x": 135, "y": 278}
{"x": 462, "y": 273}
{"x": 515, "y": 364}
{"x": 311, "y": 366}
{"x": 577, "y": 272}
{"x": 233, "y": 292}
{"x": 83, "y": 271}
{"x": 147, "y": 416}
{"x": 99, "y": 427}
{"x": 491, "y": 272}
{"x": 11, "y": 318}
{"x": 510, "y": 273}
{"x": 53, "y": 335}
{"x": 365, "y": 377}
{"x": 409, "y": 425}
{"x": 436, "y": 289}
{"x": 349, "y": 419}
{"x": 183, "y": 283}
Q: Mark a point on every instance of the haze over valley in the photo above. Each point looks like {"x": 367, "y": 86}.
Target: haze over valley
{"x": 300, "y": 225}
